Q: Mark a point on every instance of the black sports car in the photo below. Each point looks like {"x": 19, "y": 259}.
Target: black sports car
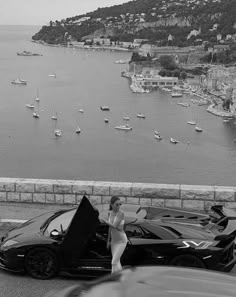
{"x": 75, "y": 241}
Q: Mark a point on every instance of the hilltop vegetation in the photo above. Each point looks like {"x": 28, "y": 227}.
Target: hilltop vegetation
{"x": 179, "y": 22}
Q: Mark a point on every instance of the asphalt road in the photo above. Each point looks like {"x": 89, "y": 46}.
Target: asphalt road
{"x": 15, "y": 285}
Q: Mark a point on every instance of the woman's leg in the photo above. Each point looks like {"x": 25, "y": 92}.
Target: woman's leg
{"x": 117, "y": 250}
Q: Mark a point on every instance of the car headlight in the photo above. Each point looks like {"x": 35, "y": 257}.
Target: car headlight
{"x": 9, "y": 243}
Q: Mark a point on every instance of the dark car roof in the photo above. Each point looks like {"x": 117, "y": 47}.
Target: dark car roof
{"x": 157, "y": 281}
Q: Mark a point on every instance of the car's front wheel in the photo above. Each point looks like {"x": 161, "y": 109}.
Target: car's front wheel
{"x": 187, "y": 261}
{"x": 41, "y": 263}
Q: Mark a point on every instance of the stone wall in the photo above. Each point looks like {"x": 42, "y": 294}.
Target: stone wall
{"x": 70, "y": 192}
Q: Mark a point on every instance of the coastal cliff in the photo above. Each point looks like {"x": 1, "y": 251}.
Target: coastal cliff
{"x": 179, "y": 22}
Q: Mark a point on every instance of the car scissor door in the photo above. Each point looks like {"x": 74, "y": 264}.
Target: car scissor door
{"x": 82, "y": 226}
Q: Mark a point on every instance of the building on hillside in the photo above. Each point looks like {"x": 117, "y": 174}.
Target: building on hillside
{"x": 140, "y": 66}
{"x": 102, "y": 41}
{"x": 221, "y": 47}
{"x": 154, "y": 82}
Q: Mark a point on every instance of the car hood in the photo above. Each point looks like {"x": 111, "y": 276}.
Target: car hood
{"x": 162, "y": 281}
{"x": 30, "y": 227}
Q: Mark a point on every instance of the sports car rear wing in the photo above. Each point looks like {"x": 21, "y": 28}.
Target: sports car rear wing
{"x": 223, "y": 219}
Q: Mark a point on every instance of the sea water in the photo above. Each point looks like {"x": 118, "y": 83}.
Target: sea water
{"x": 86, "y": 80}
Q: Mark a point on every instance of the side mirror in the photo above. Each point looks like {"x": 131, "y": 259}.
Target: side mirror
{"x": 54, "y": 233}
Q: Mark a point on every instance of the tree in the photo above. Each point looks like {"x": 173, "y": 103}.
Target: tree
{"x": 167, "y": 62}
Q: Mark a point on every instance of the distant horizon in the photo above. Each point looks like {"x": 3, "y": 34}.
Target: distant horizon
{"x": 34, "y": 13}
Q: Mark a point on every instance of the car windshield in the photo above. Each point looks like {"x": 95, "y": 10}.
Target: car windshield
{"x": 60, "y": 223}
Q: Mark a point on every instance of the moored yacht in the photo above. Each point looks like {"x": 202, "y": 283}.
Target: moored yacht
{"x": 172, "y": 140}
{"x": 57, "y": 132}
{"x": 19, "y": 81}
{"x": 104, "y": 107}
{"x": 141, "y": 116}
{"x": 124, "y": 127}
{"x": 176, "y": 94}
{"x": 198, "y": 129}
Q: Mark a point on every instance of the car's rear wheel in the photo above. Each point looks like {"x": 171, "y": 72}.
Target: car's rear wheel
{"x": 187, "y": 261}
{"x": 41, "y": 263}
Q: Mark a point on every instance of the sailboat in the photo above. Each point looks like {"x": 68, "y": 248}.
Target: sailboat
{"x": 36, "y": 114}
{"x": 37, "y": 96}
{"x": 57, "y": 132}
{"x": 78, "y": 130}
{"x": 54, "y": 117}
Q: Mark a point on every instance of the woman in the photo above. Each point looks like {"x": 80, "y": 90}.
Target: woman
{"x": 116, "y": 236}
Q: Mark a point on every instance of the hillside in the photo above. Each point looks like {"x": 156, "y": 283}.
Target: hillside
{"x": 186, "y": 22}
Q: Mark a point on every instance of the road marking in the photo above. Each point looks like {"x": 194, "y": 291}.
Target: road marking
{"x": 12, "y": 221}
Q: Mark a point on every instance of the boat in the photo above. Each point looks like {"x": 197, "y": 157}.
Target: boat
{"x": 192, "y": 123}
{"x": 141, "y": 116}
{"x": 37, "y": 96}
{"x": 54, "y": 117}
{"x": 176, "y": 94}
{"x": 198, "y": 129}
{"x": 19, "y": 81}
{"x": 124, "y": 127}
{"x": 184, "y": 104}
{"x": 122, "y": 61}
{"x": 36, "y": 115}
{"x": 165, "y": 89}
{"x": 158, "y": 136}
{"x": 78, "y": 130}
{"x": 104, "y": 107}
{"x": 126, "y": 118}
{"x": 172, "y": 140}
{"x": 52, "y": 75}
{"x": 29, "y": 105}
{"x": 27, "y": 54}
{"x": 106, "y": 120}
{"x": 226, "y": 121}
{"x": 81, "y": 110}
{"x": 57, "y": 132}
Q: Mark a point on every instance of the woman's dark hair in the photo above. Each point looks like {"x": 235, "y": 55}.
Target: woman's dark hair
{"x": 113, "y": 200}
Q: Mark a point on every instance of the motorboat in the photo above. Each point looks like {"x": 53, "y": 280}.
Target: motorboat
{"x": 141, "y": 116}
{"x": 36, "y": 115}
{"x": 172, "y": 140}
{"x": 122, "y": 61}
{"x": 52, "y": 75}
{"x": 184, "y": 104}
{"x": 27, "y": 54}
{"x": 166, "y": 89}
{"x": 106, "y": 120}
{"x": 29, "y": 105}
{"x": 104, "y": 107}
{"x": 54, "y": 117}
{"x": 176, "y": 94}
{"x": 192, "y": 123}
{"x": 198, "y": 129}
{"x": 124, "y": 127}
{"x": 158, "y": 137}
{"x": 126, "y": 118}
{"x": 57, "y": 132}
{"x": 19, "y": 81}
{"x": 78, "y": 130}
{"x": 81, "y": 110}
